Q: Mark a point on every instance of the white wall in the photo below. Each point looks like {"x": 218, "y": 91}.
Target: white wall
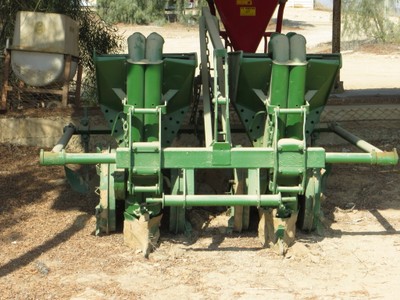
{"x": 300, "y": 3}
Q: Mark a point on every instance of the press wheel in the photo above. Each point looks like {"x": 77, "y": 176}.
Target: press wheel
{"x": 310, "y": 202}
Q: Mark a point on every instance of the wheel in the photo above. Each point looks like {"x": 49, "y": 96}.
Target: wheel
{"x": 310, "y": 202}
{"x": 240, "y": 214}
{"x": 111, "y": 187}
{"x": 177, "y": 215}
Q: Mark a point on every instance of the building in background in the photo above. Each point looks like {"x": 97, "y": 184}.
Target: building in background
{"x": 300, "y": 3}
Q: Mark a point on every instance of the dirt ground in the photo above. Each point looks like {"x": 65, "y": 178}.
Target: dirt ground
{"x": 49, "y": 250}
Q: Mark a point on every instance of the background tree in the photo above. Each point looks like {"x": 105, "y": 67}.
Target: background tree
{"x": 371, "y": 20}
{"x": 144, "y": 11}
{"x": 131, "y": 11}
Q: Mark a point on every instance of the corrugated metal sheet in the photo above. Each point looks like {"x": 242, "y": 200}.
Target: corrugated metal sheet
{"x": 300, "y": 3}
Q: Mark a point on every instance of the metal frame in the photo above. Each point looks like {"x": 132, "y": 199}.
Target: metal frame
{"x": 292, "y": 169}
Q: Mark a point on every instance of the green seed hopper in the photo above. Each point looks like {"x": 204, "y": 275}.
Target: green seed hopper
{"x": 278, "y": 96}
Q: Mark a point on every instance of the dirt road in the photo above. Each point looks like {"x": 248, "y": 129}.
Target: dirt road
{"x": 48, "y": 249}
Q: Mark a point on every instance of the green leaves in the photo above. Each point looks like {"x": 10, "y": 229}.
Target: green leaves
{"x": 128, "y": 11}
{"x": 371, "y": 20}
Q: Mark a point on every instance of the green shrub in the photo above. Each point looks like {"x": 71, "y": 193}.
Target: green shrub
{"x": 144, "y": 11}
{"x": 371, "y": 20}
{"x": 131, "y": 11}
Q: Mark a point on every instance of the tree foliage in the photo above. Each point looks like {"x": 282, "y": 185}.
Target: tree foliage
{"x": 131, "y": 11}
{"x": 371, "y": 20}
{"x": 143, "y": 11}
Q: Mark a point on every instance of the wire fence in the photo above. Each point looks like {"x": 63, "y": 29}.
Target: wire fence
{"x": 361, "y": 112}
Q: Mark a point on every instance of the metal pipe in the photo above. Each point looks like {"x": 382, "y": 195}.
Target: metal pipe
{"x": 212, "y": 28}
{"x": 146, "y": 189}
{"x": 222, "y": 200}
{"x": 154, "y": 47}
{"x": 373, "y": 158}
{"x": 336, "y": 26}
{"x": 62, "y": 158}
{"x": 279, "y": 83}
{"x": 336, "y": 31}
{"x": 290, "y": 189}
{"x": 153, "y": 85}
{"x": 205, "y": 83}
{"x": 135, "y": 93}
{"x": 290, "y": 110}
{"x": 297, "y": 85}
{"x": 264, "y": 158}
{"x": 152, "y": 98}
{"x": 354, "y": 140}
{"x": 69, "y": 130}
{"x": 145, "y": 110}
{"x": 343, "y": 158}
{"x": 279, "y": 20}
{"x": 136, "y": 46}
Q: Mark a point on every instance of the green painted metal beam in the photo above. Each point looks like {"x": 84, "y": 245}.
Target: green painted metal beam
{"x": 373, "y": 158}
{"x": 62, "y": 158}
{"x": 223, "y": 200}
{"x": 200, "y": 158}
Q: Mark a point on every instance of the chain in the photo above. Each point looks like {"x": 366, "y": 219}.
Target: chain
{"x": 197, "y": 88}
{"x": 210, "y": 85}
{"x": 196, "y": 99}
{"x": 125, "y": 127}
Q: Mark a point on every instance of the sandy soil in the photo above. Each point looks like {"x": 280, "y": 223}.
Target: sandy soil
{"x": 49, "y": 251}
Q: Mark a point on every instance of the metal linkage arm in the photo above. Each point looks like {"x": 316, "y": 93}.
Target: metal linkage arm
{"x": 212, "y": 28}
{"x": 62, "y": 158}
{"x": 354, "y": 140}
{"x": 69, "y": 131}
{"x": 374, "y": 155}
{"x": 373, "y": 158}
